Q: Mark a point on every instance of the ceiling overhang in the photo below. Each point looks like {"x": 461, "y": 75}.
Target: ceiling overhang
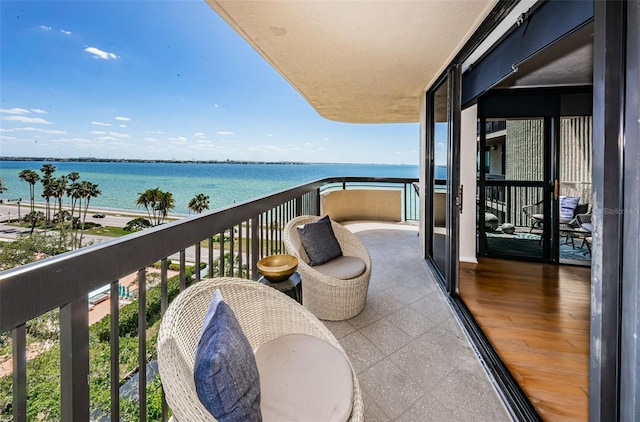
{"x": 357, "y": 61}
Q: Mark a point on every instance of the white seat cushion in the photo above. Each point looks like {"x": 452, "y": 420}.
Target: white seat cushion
{"x": 303, "y": 378}
{"x": 342, "y": 267}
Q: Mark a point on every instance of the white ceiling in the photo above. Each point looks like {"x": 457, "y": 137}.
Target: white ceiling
{"x": 357, "y": 61}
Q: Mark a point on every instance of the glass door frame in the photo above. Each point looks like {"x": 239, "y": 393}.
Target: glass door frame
{"x": 550, "y": 245}
{"x": 452, "y": 79}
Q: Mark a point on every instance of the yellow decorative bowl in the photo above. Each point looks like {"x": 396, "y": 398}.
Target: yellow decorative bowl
{"x": 277, "y": 268}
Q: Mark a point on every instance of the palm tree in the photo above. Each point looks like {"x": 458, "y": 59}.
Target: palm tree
{"x": 59, "y": 188}
{"x": 32, "y": 178}
{"x": 3, "y": 187}
{"x": 148, "y": 199}
{"x": 88, "y": 190}
{"x": 73, "y": 176}
{"x": 199, "y": 203}
{"x": 165, "y": 204}
{"x": 47, "y": 175}
{"x": 157, "y": 203}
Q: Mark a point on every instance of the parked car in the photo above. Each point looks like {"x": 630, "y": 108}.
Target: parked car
{"x": 98, "y": 215}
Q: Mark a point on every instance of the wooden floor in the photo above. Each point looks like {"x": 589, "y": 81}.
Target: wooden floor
{"x": 537, "y": 318}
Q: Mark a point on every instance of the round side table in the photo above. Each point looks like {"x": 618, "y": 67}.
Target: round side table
{"x": 292, "y": 286}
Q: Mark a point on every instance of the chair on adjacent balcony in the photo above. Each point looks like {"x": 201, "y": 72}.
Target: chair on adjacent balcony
{"x": 585, "y": 223}
{"x": 535, "y": 213}
{"x": 337, "y": 289}
{"x": 265, "y": 317}
{"x": 568, "y": 209}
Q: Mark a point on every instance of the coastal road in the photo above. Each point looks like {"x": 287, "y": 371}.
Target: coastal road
{"x": 111, "y": 218}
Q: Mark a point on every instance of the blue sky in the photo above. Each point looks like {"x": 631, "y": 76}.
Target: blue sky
{"x": 161, "y": 80}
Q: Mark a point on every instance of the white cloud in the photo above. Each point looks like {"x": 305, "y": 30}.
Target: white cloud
{"x": 38, "y": 111}
{"x": 122, "y": 125}
{"x": 14, "y": 110}
{"x": 25, "y": 119}
{"x": 123, "y": 119}
{"x": 178, "y": 139}
{"x": 101, "y": 123}
{"x": 45, "y": 27}
{"x": 155, "y": 132}
{"x": 198, "y": 134}
{"x": 224, "y": 133}
{"x": 37, "y": 129}
{"x": 216, "y": 106}
{"x": 98, "y": 132}
{"x": 9, "y": 138}
{"x": 119, "y": 135}
{"x": 65, "y": 32}
{"x": 99, "y": 54}
{"x": 106, "y": 138}
{"x": 151, "y": 140}
{"x": 269, "y": 135}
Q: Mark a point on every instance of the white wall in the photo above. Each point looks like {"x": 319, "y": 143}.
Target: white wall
{"x": 468, "y": 154}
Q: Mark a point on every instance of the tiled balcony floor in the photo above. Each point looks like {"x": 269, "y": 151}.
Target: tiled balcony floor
{"x": 412, "y": 360}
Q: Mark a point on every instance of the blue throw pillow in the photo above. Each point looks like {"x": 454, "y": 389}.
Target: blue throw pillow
{"x": 319, "y": 241}
{"x": 225, "y": 371}
{"x": 568, "y": 205}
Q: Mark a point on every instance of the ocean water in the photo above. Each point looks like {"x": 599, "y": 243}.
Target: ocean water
{"x": 224, "y": 183}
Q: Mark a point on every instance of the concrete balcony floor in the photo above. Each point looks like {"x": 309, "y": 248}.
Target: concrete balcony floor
{"x": 411, "y": 357}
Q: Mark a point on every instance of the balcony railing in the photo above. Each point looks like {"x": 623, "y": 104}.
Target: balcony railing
{"x": 253, "y": 229}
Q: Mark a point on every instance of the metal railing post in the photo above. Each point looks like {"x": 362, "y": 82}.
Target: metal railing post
{"x": 142, "y": 345}
{"x": 74, "y": 360}
{"x": 255, "y": 245}
{"x": 19, "y": 346}
{"x": 114, "y": 321}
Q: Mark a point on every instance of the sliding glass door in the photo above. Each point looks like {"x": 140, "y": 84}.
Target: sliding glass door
{"x": 440, "y": 191}
{"x": 514, "y": 193}
{"x": 443, "y": 192}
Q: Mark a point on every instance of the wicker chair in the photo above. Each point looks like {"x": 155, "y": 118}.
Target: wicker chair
{"x": 263, "y": 313}
{"x": 327, "y": 297}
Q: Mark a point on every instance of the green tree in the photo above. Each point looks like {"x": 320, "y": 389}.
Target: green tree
{"x": 47, "y": 175}
{"x": 157, "y": 203}
{"x": 88, "y": 190}
{"x": 32, "y": 178}
{"x": 59, "y": 189}
{"x": 166, "y": 204}
{"x": 73, "y": 192}
{"x": 137, "y": 224}
{"x": 34, "y": 218}
{"x": 199, "y": 203}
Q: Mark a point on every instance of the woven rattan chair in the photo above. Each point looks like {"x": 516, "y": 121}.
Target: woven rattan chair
{"x": 327, "y": 297}
{"x": 263, "y": 313}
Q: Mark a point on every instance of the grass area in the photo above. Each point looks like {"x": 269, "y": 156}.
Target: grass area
{"x": 109, "y": 231}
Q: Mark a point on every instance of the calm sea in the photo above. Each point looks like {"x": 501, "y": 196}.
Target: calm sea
{"x": 225, "y": 184}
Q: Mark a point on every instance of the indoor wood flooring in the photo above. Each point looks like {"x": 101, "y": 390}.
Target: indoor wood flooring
{"x": 537, "y": 318}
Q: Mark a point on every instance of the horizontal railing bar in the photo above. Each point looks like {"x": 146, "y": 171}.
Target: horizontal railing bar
{"x": 516, "y": 183}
